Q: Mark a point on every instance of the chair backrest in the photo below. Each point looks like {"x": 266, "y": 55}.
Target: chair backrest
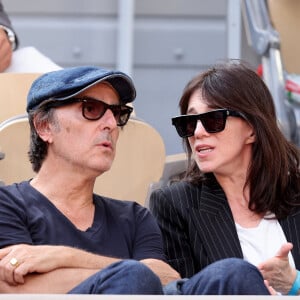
{"x": 174, "y": 169}
{"x": 14, "y": 145}
{"x": 139, "y": 160}
{"x": 14, "y": 88}
{"x": 285, "y": 17}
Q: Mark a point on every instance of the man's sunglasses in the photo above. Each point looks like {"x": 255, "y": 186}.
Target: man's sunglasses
{"x": 93, "y": 109}
{"x": 212, "y": 121}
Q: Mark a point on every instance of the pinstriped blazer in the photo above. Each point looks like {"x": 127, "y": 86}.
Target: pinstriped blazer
{"x": 198, "y": 226}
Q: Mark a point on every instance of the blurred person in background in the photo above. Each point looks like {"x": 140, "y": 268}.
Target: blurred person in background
{"x": 19, "y": 59}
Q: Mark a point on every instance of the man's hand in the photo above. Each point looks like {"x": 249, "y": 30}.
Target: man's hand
{"x": 277, "y": 270}
{"x": 164, "y": 271}
{"x": 5, "y": 51}
{"x": 28, "y": 259}
{"x": 44, "y": 259}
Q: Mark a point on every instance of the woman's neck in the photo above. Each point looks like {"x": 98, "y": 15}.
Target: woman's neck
{"x": 238, "y": 196}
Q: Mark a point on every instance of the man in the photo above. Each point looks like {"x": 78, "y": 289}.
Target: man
{"x": 74, "y": 116}
{"x": 56, "y": 235}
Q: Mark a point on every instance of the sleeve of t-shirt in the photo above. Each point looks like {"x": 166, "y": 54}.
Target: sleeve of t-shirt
{"x": 148, "y": 240}
{"x": 13, "y": 219}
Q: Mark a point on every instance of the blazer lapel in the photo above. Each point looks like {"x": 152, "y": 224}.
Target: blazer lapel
{"x": 214, "y": 223}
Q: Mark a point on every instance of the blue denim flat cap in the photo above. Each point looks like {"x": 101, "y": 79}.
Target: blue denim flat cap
{"x": 69, "y": 82}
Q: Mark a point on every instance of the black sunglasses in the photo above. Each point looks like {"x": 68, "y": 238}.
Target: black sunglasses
{"x": 93, "y": 109}
{"x": 212, "y": 121}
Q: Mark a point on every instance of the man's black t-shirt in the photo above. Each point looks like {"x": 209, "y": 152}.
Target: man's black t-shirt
{"x": 121, "y": 229}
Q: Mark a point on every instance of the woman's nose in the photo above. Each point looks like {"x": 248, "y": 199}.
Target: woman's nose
{"x": 200, "y": 130}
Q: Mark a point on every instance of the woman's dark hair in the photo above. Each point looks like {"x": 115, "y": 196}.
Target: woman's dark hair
{"x": 38, "y": 148}
{"x": 273, "y": 175}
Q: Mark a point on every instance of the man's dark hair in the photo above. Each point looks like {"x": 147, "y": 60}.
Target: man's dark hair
{"x": 38, "y": 148}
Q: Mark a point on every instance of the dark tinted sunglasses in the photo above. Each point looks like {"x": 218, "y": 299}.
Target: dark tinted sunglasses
{"x": 93, "y": 109}
{"x": 212, "y": 121}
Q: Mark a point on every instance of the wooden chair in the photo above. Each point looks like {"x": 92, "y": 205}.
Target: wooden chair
{"x": 13, "y": 93}
{"x": 174, "y": 169}
{"x": 14, "y": 88}
{"x": 139, "y": 162}
{"x": 14, "y": 145}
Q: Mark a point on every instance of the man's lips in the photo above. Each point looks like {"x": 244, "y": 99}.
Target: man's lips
{"x": 105, "y": 140}
{"x": 105, "y": 144}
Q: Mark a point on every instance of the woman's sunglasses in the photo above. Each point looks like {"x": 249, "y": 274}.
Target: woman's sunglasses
{"x": 212, "y": 121}
{"x": 93, "y": 109}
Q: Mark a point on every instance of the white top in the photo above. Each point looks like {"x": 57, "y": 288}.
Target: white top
{"x": 262, "y": 242}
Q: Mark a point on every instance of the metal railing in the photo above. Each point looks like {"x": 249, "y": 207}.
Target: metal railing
{"x": 265, "y": 40}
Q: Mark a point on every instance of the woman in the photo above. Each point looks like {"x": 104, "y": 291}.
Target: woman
{"x": 241, "y": 194}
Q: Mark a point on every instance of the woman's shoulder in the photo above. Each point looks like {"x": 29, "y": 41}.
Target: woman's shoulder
{"x": 181, "y": 186}
{"x": 177, "y": 192}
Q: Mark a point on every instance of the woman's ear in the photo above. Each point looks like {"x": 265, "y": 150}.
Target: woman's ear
{"x": 251, "y": 138}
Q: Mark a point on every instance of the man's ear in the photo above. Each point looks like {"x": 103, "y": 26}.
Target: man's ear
{"x": 43, "y": 129}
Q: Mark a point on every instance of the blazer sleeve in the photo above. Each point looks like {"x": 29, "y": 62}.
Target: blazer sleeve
{"x": 174, "y": 229}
